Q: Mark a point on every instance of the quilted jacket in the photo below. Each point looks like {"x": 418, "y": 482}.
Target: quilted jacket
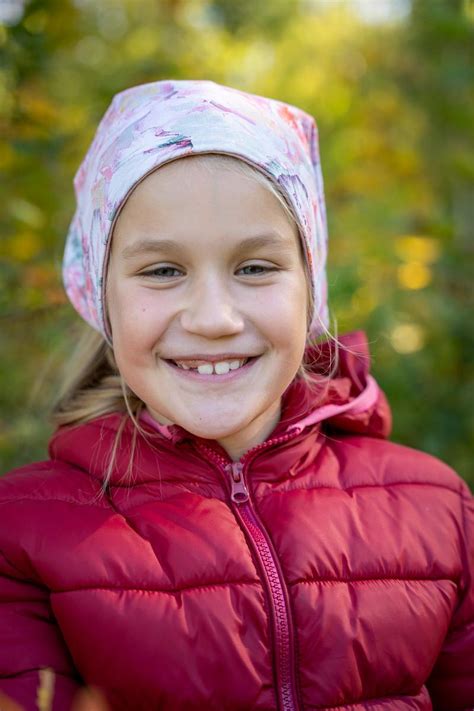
{"x": 327, "y": 568}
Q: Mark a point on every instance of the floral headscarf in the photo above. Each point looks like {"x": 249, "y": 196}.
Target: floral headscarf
{"x": 152, "y": 124}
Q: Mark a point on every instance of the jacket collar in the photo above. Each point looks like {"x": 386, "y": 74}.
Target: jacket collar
{"x": 350, "y": 401}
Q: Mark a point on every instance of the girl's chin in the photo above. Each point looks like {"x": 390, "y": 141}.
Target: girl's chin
{"x": 213, "y": 432}
{"x": 205, "y": 424}
{"x": 236, "y": 433}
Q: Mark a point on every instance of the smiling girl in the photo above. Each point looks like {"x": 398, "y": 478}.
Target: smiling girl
{"x": 210, "y": 299}
{"x": 223, "y": 523}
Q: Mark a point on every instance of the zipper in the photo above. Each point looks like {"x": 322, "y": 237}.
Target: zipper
{"x": 244, "y": 510}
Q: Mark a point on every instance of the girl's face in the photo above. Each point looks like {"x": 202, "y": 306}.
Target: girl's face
{"x": 205, "y": 267}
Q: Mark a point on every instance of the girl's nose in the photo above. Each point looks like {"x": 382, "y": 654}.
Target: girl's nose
{"x": 211, "y": 312}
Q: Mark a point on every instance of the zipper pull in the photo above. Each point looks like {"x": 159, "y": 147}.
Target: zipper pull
{"x": 240, "y": 492}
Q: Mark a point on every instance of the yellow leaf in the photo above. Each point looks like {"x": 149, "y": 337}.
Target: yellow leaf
{"x": 27, "y": 212}
{"x": 414, "y": 275}
{"x": 417, "y": 248}
{"x": 44, "y": 694}
{"x": 24, "y": 246}
{"x": 407, "y": 338}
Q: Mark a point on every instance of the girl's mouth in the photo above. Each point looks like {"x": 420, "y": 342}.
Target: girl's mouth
{"x": 222, "y": 371}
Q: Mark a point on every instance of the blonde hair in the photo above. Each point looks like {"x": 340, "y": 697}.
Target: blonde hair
{"x": 92, "y": 385}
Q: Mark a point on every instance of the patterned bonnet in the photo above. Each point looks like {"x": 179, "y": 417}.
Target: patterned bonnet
{"x": 152, "y": 124}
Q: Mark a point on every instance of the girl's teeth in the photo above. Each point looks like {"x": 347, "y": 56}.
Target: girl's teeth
{"x": 205, "y": 369}
{"x": 222, "y": 368}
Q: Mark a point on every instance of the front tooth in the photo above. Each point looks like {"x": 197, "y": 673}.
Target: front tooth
{"x": 205, "y": 369}
{"x": 222, "y": 367}
{"x": 234, "y": 364}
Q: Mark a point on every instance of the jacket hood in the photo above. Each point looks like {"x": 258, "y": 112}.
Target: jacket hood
{"x": 349, "y": 402}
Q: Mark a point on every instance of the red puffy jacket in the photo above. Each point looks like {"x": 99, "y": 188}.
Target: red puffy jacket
{"x": 327, "y": 568}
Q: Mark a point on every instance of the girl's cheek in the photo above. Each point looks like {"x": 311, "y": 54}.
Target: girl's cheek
{"x": 147, "y": 313}
{"x": 287, "y": 300}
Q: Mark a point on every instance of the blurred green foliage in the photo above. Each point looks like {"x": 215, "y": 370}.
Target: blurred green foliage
{"x": 395, "y": 110}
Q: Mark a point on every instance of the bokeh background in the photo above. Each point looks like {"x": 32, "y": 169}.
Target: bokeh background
{"x": 391, "y": 86}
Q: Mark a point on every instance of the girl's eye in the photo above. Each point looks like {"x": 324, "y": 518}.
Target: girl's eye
{"x": 170, "y": 272}
{"x": 165, "y": 272}
{"x": 257, "y": 269}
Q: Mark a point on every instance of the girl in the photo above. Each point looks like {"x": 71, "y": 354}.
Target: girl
{"x": 222, "y": 523}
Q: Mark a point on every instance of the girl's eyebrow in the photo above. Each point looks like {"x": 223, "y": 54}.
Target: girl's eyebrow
{"x": 270, "y": 239}
{"x": 145, "y": 246}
